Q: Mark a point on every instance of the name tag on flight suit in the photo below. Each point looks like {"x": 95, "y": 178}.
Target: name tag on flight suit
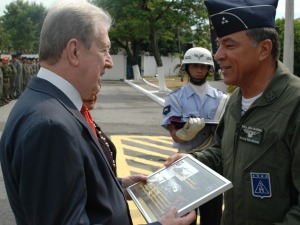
{"x": 251, "y": 134}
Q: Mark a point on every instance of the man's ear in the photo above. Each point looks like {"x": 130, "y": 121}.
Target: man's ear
{"x": 72, "y": 51}
{"x": 266, "y": 47}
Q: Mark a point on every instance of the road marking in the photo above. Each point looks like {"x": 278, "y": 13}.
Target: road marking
{"x": 140, "y": 155}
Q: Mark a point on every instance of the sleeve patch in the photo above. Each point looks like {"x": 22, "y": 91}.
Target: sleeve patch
{"x": 166, "y": 110}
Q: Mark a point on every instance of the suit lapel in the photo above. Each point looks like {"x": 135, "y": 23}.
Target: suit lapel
{"x": 46, "y": 87}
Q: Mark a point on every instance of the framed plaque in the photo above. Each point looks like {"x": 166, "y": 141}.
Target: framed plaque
{"x": 186, "y": 184}
{"x": 211, "y": 122}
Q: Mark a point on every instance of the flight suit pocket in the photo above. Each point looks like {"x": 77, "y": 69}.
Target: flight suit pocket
{"x": 266, "y": 179}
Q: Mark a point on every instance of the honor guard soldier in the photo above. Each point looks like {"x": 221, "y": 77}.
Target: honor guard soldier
{"x": 185, "y": 110}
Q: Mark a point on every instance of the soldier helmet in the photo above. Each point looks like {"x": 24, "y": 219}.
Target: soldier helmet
{"x": 198, "y": 55}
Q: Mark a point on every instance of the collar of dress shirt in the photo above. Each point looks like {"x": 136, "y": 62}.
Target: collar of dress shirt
{"x": 67, "y": 88}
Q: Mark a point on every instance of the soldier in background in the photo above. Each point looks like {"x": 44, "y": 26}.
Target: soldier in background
{"x": 25, "y": 72}
{"x": 32, "y": 68}
{"x": 2, "y": 102}
{"x": 19, "y": 66}
{"x": 7, "y": 71}
{"x": 12, "y": 79}
{"x": 29, "y": 66}
{"x": 36, "y": 65}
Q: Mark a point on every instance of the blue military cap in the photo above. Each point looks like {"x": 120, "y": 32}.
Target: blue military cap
{"x": 230, "y": 16}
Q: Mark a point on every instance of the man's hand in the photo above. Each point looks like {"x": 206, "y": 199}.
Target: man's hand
{"x": 190, "y": 129}
{"x": 174, "y": 158}
{"x": 171, "y": 219}
{"x": 172, "y": 129}
{"x": 127, "y": 181}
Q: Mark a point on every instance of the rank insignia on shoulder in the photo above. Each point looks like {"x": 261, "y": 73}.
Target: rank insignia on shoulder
{"x": 166, "y": 109}
{"x": 261, "y": 185}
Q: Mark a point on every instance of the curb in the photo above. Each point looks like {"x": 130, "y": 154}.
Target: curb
{"x": 154, "y": 97}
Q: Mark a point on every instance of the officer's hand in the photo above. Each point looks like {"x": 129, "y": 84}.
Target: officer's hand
{"x": 171, "y": 219}
{"x": 130, "y": 180}
{"x": 190, "y": 129}
{"x": 174, "y": 158}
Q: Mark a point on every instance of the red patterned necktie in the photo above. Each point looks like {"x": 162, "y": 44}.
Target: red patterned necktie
{"x": 87, "y": 116}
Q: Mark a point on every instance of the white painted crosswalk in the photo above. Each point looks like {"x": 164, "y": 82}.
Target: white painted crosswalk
{"x": 141, "y": 155}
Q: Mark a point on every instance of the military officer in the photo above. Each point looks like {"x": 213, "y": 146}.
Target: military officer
{"x": 258, "y": 146}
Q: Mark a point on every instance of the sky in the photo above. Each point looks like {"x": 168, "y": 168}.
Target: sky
{"x": 280, "y": 9}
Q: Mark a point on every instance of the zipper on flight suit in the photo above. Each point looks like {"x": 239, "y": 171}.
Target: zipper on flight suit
{"x": 235, "y": 146}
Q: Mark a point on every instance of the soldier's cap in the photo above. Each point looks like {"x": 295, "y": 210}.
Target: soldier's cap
{"x": 13, "y": 56}
{"x": 230, "y": 16}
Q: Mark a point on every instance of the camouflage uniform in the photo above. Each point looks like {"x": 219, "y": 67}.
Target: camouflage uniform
{"x": 1, "y": 88}
{"x": 7, "y": 71}
{"x": 19, "y": 82}
{"x": 25, "y": 73}
{"x": 12, "y": 81}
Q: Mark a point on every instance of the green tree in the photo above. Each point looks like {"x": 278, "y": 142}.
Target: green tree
{"x": 280, "y": 28}
{"x": 5, "y": 42}
{"x": 158, "y": 26}
{"x": 297, "y": 48}
{"x": 22, "y": 21}
{"x": 129, "y": 32}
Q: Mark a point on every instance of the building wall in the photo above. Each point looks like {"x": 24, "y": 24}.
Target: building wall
{"x": 148, "y": 67}
{"x": 118, "y": 72}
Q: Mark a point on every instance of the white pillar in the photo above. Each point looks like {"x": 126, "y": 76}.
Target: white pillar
{"x": 288, "y": 46}
{"x": 161, "y": 78}
{"x": 136, "y": 73}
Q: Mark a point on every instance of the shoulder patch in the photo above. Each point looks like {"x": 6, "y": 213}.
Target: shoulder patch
{"x": 261, "y": 185}
{"x": 166, "y": 110}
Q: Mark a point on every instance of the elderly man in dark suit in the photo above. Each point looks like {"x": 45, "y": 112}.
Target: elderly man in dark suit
{"x": 54, "y": 169}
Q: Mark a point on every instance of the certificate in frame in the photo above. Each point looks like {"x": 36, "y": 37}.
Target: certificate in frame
{"x": 186, "y": 184}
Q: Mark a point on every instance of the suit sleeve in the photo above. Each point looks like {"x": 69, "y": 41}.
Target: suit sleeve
{"x": 51, "y": 177}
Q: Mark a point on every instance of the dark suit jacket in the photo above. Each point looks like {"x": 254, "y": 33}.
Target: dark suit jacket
{"x": 53, "y": 166}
